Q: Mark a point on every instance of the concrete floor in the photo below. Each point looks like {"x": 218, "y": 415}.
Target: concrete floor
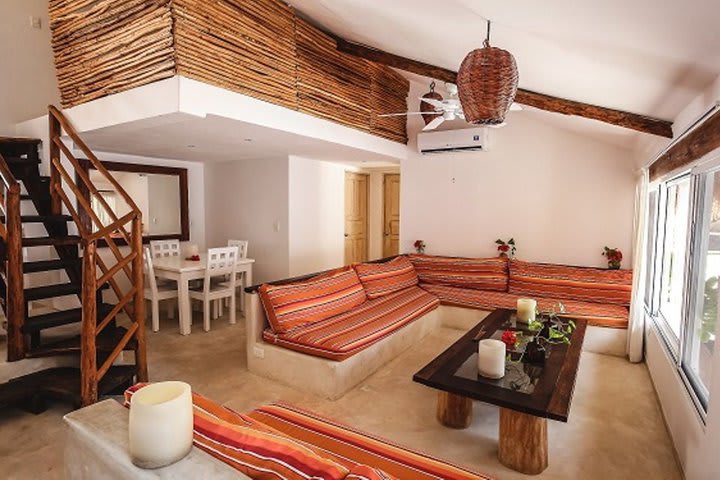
{"x": 615, "y": 429}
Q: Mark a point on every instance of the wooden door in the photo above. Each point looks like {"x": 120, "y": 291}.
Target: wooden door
{"x": 356, "y": 217}
{"x": 391, "y": 226}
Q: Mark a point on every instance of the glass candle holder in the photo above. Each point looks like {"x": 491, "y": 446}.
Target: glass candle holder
{"x": 161, "y": 424}
{"x": 491, "y": 358}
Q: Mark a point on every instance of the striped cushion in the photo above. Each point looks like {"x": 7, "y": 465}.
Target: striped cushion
{"x": 342, "y": 336}
{"x": 384, "y": 278}
{"x": 571, "y": 283}
{"x": 349, "y": 446}
{"x": 303, "y": 303}
{"x": 252, "y": 447}
{"x": 596, "y": 314}
{"x": 477, "y": 273}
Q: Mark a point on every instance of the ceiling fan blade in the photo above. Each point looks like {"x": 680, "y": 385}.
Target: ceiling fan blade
{"x": 409, "y": 113}
{"x": 434, "y": 124}
{"x": 433, "y": 102}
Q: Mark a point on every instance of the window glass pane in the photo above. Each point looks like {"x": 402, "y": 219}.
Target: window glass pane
{"x": 701, "y": 332}
{"x": 650, "y": 247}
{"x": 675, "y": 243}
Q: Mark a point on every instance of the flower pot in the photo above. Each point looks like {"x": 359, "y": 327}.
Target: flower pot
{"x": 534, "y": 353}
{"x": 613, "y": 265}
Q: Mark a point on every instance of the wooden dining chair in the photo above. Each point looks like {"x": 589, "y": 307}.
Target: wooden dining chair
{"x": 221, "y": 264}
{"x": 156, "y": 292}
{"x": 165, "y": 248}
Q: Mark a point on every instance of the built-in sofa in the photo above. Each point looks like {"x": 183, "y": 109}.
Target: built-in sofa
{"x": 327, "y": 332}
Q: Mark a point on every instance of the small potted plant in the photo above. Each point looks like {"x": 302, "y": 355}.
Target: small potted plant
{"x": 614, "y": 257}
{"x": 506, "y": 249}
{"x": 551, "y": 330}
{"x": 419, "y": 246}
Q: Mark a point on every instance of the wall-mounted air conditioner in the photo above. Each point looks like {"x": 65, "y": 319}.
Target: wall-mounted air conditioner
{"x": 445, "y": 141}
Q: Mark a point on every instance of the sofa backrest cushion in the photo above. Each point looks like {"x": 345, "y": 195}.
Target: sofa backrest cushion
{"x": 476, "y": 273}
{"x": 251, "y": 447}
{"x": 299, "y": 304}
{"x": 563, "y": 282}
{"x": 381, "y": 279}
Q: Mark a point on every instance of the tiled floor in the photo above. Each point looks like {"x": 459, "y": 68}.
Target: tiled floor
{"x": 615, "y": 429}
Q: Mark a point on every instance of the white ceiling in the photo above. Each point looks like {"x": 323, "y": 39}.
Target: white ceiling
{"x": 644, "y": 56}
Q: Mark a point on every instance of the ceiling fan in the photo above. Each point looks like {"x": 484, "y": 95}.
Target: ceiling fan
{"x": 445, "y": 108}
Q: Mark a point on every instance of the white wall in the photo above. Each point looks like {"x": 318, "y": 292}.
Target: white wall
{"x": 316, "y": 215}
{"x": 560, "y": 195}
{"x": 248, "y": 200}
{"x": 27, "y": 82}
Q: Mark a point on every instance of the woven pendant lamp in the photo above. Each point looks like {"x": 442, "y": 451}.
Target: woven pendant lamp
{"x": 426, "y": 107}
{"x": 487, "y": 83}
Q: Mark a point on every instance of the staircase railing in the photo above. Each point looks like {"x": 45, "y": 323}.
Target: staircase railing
{"x": 11, "y": 233}
{"x": 96, "y": 271}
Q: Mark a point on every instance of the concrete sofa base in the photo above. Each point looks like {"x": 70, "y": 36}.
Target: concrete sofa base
{"x": 332, "y": 379}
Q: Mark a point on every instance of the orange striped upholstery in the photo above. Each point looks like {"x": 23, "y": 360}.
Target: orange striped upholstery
{"x": 252, "y": 447}
{"x": 345, "y": 335}
{"x": 350, "y": 447}
{"x": 477, "y": 273}
{"x": 380, "y": 279}
{"x": 570, "y": 283}
{"x": 597, "y": 314}
{"x": 303, "y": 303}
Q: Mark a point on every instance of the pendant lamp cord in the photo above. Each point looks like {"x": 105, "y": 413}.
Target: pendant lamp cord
{"x": 486, "y": 43}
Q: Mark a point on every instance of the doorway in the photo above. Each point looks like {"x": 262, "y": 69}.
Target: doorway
{"x": 391, "y": 222}
{"x": 356, "y": 217}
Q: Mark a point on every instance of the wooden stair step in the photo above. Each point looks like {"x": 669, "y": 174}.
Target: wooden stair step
{"x": 49, "y": 265}
{"x": 36, "y": 323}
{"x": 41, "y": 218}
{"x": 104, "y": 343}
{"x": 13, "y": 160}
{"x": 61, "y": 383}
{"x": 25, "y": 196}
{"x": 51, "y": 291}
{"x": 20, "y": 141}
{"x": 50, "y": 241}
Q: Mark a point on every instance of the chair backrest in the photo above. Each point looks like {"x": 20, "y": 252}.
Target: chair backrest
{"x": 221, "y": 262}
{"x": 165, "y": 248}
{"x": 242, "y": 247}
{"x": 150, "y": 280}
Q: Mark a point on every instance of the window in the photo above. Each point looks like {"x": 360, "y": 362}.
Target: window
{"x": 674, "y": 252}
{"x": 701, "y": 330}
{"x": 650, "y": 249}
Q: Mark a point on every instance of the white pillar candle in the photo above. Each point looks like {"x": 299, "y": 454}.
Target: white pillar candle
{"x": 192, "y": 250}
{"x": 526, "y": 309}
{"x": 161, "y": 424}
{"x": 491, "y": 358}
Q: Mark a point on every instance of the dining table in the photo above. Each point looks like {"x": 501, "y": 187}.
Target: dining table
{"x": 183, "y": 271}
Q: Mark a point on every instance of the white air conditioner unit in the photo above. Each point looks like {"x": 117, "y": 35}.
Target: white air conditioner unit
{"x": 446, "y": 141}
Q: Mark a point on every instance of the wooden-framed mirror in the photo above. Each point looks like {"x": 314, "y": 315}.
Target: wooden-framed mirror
{"x": 161, "y": 194}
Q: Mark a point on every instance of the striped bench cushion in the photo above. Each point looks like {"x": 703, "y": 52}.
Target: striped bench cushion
{"x": 350, "y": 447}
{"x": 252, "y": 447}
{"x": 380, "y": 279}
{"x": 344, "y": 335}
{"x": 571, "y": 283}
{"x": 596, "y": 314}
{"x": 477, "y": 273}
{"x": 303, "y": 303}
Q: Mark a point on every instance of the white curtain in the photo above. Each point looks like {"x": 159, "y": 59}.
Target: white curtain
{"x": 636, "y": 327}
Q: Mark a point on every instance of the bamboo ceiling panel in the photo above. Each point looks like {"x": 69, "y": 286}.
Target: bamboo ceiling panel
{"x": 258, "y": 48}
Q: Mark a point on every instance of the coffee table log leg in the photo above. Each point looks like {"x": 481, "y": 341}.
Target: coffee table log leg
{"x": 454, "y": 411}
{"x": 523, "y": 444}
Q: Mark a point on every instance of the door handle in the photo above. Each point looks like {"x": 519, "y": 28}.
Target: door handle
{"x": 347, "y": 235}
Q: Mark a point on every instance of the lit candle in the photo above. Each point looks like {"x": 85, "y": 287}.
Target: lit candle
{"x": 491, "y": 358}
{"x": 161, "y": 424}
{"x": 526, "y": 309}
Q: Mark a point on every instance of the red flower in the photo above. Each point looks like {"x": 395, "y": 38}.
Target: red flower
{"x": 509, "y": 338}
{"x": 504, "y": 248}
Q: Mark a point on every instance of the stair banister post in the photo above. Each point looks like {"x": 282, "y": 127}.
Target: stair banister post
{"x": 15, "y": 308}
{"x": 55, "y": 179}
{"x": 88, "y": 355}
{"x": 139, "y": 302}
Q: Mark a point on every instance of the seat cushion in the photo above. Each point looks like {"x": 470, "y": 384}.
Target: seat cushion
{"x": 477, "y": 273}
{"x": 253, "y": 447}
{"x": 351, "y": 447}
{"x": 583, "y": 284}
{"x": 303, "y": 303}
{"x": 596, "y": 314}
{"x": 381, "y": 279}
{"x": 344, "y": 335}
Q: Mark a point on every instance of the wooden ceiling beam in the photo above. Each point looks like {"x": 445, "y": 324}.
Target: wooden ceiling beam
{"x": 633, "y": 121}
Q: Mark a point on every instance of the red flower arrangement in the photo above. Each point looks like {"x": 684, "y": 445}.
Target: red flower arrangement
{"x": 509, "y": 338}
{"x": 506, "y": 249}
{"x": 614, "y": 257}
{"x": 419, "y": 246}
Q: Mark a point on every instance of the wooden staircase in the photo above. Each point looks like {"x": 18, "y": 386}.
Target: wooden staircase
{"x": 95, "y": 332}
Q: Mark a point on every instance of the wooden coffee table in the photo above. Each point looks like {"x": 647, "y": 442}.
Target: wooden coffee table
{"x": 527, "y": 395}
